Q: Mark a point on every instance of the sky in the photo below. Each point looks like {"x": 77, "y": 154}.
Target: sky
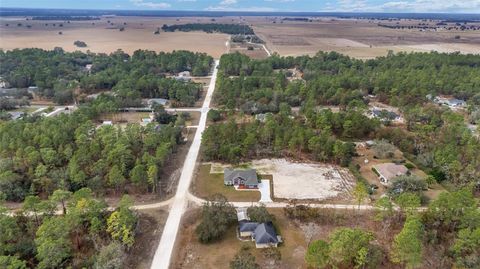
{"x": 416, "y": 6}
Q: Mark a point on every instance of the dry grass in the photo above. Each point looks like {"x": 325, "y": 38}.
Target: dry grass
{"x": 103, "y": 37}
{"x": 206, "y": 185}
{"x": 149, "y": 231}
{"x": 296, "y": 235}
{"x": 357, "y": 38}
{"x": 372, "y": 178}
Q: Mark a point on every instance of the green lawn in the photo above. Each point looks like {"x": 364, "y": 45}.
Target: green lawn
{"x": 206, "y": 185}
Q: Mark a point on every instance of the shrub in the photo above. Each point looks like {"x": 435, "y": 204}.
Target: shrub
{"x": 80, "y": 44}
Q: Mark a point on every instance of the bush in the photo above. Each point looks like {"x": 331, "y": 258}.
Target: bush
{"x": 410, "y": 166}
{"x": 217, "y": 216}
{"x": 80, "y": 44}
{"x": 214, "y": 115}
{"x": 403, "y": 184}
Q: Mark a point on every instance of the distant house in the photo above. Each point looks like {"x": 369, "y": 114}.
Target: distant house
{"x": 387, "y": 171}
{"x": 15, "y": 115}
{"x": 157, "y": 101}
{"x": 450, "y": 102}
{"x": 262, "y": 117}
{"x": 265, "y": 236}
{"x": 146, "y": 121}
{"x": 242, "y": 179}
{"x": 183, "y": 76}
{"x": 4, "y": 83}
{"x": 384, "y": 114}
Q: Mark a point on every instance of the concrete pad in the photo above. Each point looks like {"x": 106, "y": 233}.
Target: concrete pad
{"x": 264, "y": 189}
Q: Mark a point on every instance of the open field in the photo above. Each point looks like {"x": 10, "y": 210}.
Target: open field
{"x": 355, "y": 37}
{"x": 358, "y": 38}
{"x": 296, "y": 235}
{"x": 106, "y": 37}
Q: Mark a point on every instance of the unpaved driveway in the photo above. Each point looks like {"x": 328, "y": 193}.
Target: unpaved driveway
{"x": 161, "y": 260}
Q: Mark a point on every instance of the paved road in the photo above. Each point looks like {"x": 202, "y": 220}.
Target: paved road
{"x": 163, "y": 254}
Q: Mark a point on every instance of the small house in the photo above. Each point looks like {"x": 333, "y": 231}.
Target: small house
{"x": 157, "y": 101}
{"x": 388, "y": 171}
{"x": 265, "y": 236}
{"x": 242, "y": 179}
{"x": 384, "y": 114}
{"x": 15, "y": 115}
{"x": 450, "y": 102}
{"x": 183, "y": 76}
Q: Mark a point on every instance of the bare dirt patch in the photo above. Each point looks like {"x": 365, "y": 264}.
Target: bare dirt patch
{"x": 149, "y": 231}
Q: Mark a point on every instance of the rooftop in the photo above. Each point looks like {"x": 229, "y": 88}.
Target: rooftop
{"x": 390, "y": 170}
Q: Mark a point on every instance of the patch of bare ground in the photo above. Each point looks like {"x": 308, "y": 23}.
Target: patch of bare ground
{"x": 189, "y": 253}
{"x": 149, "y": 230}
{"x": 254, "y": 51}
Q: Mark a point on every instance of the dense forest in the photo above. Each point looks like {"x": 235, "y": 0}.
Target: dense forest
{"x": 436, "y": 139}
{"x": 334, "y": 79}
{"x": 283, "y": 135}
{"x": 84, "y": 235}
{"x": 63, "y": 76}
{"x": 40, "y": 155}
{"x": 231, "y": 29}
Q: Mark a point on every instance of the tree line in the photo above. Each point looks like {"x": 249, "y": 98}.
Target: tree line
{"x": 283, "y": 135}
{"x": 231, "y": 29}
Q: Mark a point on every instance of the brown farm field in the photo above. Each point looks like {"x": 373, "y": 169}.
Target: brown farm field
{"x": 106, "y": 37}
{"x": 358, "y": 38}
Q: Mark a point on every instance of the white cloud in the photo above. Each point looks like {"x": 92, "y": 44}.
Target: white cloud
{"x": 251, "y": 9}
{"x": 228, "y": 2}
{"x": 280, "y": 1}
{"x": 142, "y": 3}
{"x": 467, "y": 6}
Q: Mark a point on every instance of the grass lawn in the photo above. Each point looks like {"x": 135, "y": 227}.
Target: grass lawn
{"x": 206, "y": 185}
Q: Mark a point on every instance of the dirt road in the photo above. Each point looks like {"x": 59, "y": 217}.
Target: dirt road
{"x": 161, "y": 260}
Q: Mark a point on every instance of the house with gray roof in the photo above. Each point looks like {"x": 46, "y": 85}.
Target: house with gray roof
{"x": 388, "y": 171}
{"x": 242, "y": 179}
{"x": 246, "y": 228}
{"x": 265, "y": 236}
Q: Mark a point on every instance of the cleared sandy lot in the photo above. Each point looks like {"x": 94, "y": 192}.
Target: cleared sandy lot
{"x": 102, "y": 36}
{"x": 306, "y": 180}
{"x": 302, "y": 180}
